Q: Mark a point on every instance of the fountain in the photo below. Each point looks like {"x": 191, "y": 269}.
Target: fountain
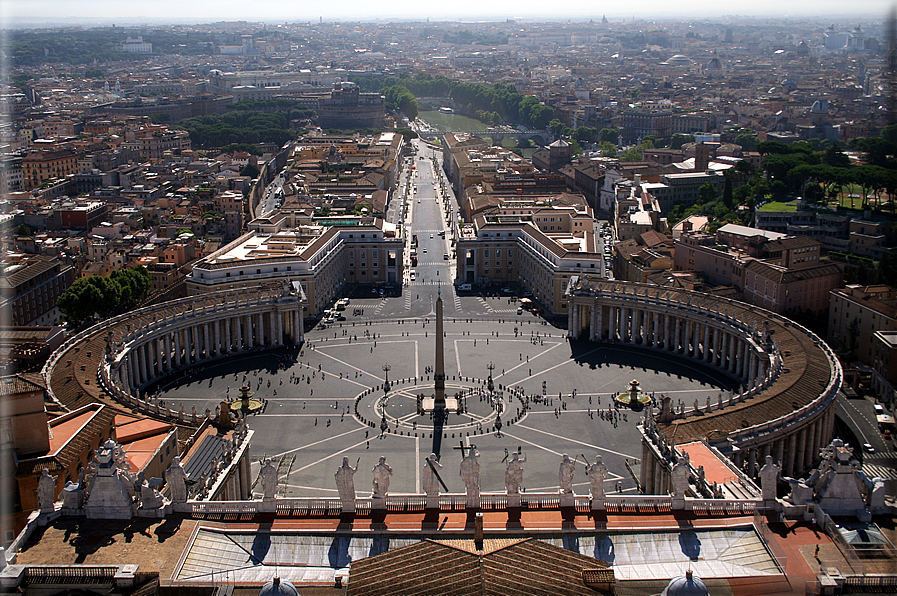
{"x": 633, "y": 398}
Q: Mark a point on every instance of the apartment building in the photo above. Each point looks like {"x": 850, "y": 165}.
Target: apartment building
{"x": 856, "y": 313}
{"x": 45, "y": 164}
{"x": 31, "y": 286}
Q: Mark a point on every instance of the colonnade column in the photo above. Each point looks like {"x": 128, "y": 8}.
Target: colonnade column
{"x": 228, "y": 344}
{"x": 297, "y": 329}
{"x": 717, "y": 347}
{"x": 801, "y": 450}
{"x": 177, "y": 348}
{"x": 791, "y": 455}
{"x": 572, "y": 322}
{"x": 167, "y": 343}
{"x": 706, "y": 343}
{"x": 216, "y": 331}
{"x": 633, "y": 325}
{"x": 612, "y": 312}
{"x": 260, "y": 327}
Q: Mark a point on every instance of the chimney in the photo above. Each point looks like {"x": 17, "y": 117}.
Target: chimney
{"x": 638, "y": 179}
{"x": 478, "y": 531}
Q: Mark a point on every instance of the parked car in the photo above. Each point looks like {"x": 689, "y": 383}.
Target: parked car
{"x": 868, "y": 448}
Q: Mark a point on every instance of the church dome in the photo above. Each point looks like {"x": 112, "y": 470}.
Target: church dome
{"x": 278, "y": 587}
{"x": 685, "y": 585}
{"x": 820, "y": 106}
{"x": 679, "y": 60}
{"x": 714, "y": 64}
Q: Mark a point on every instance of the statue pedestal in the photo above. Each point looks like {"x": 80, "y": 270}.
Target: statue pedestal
{"x": 473, "y": 502}
{"x": 268, "y": 506}
{"x": 432, "y": 502}
{"x": 347, "y": 506}
{"x": 597, "y": 504}
{"x": 513, "y": 500}
{"x": 378, "y": 503}
{"x": 568, "y": 499}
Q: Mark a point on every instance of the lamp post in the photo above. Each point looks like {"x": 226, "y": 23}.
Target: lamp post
{"x": 386, "y": 368}
{"x": 489, "y": 384}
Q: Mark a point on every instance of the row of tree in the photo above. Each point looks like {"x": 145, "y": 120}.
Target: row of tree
{"x": 501, "y": 99}
{"x": 97, "y": 296}
{"x": 239, "y": 126}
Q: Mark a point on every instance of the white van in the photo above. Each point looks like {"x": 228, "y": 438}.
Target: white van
{"x": 413, "y": 275}
{"x": 465, "y": 287}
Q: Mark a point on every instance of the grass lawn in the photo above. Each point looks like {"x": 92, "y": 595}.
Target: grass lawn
{"x": 779, "y": 206}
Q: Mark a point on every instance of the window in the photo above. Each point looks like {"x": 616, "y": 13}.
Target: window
{"x": 258, "y": 271}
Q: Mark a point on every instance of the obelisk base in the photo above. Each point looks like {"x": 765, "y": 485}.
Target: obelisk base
{"x": 429, "y": 404}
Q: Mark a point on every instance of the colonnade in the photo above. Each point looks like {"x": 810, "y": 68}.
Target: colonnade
{"x": 189, "y": 342}
{"x": 705, "y": 337}
{"x": 745, "y": 342}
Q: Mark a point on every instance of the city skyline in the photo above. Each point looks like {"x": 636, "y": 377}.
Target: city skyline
{"x": 49, "y": 13}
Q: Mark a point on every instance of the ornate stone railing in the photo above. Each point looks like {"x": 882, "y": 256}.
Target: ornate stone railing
{"x": 613, "y": 503}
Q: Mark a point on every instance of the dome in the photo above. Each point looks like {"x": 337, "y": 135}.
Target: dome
{"x": 687, "y": 585}
{"x": 820, "y": 106}
{"x": 714, "y": 64}
{"x": 679, "y": 60}
{"x": 278, "y": 587}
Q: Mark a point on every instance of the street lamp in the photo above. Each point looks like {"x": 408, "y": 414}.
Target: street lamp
{"x": 386, "y": 368}
{"x": 489, "y": 384}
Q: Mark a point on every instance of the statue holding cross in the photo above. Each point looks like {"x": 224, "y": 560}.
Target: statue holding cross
{"x": 470, "y": 474}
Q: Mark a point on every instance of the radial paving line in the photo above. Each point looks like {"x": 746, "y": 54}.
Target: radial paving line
{"x": 583, "y": 443}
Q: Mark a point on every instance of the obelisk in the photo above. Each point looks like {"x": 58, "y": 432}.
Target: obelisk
{"x": 439, "y": 376}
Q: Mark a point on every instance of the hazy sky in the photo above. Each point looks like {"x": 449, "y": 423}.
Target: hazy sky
{"x": 28, "y": 12}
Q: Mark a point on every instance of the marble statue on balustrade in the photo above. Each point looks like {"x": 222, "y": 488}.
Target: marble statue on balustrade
{"x": 345, "y": 485}
{"x": 680, "y": 475}
{"x": 470, "y": 475}
{"x": 597, "y": 475}
{"x": 514, "y": 474}
{"x": 46, "y": 491}
{"x": 769, "y": 478}
{"x": 382, "y": 471}
{"x": 177, "y": 481}
{"x": 565, "y": 475}
{"x": 429, "y": 477}
{"x": 268, "y": 476}
{"x": 150, "y": 497}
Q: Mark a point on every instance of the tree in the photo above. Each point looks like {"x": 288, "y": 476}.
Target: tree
{"x": 747, "y": 141}
{"x": 835, "y": 157}
{"x": 608, "y": 149}
{"x": 96, "y": 295}
{"x": 680, "y": 139}
{"x": 706, "y": 193}
{"x": 585, "y": 134}
{"x": 632, "y": 154}
{"x": 728, "y": 194}
{"x": 610, "y": 135}
{"x": 556, "y": 127}
{"x": 251, "y": 170}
